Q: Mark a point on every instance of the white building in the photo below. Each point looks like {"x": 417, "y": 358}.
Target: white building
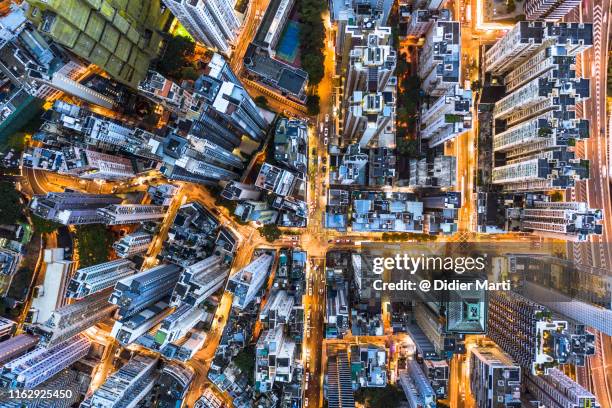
{"x": 212, "y": 23}
{"x": 248, "y": 281}
{"x": 127, "y": 330}
{"x": 50, "y": 295}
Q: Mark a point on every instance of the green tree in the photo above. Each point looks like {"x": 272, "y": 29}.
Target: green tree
{"x": 261, "y": 101}
{"x": 10, "y": 205}
{"x": 312, "y": 104}
{"x": 408, "y": 147}
{"x": 270, "y": 232}
{"x": 44, "y": 226}
{"x": 190, "y": 73}
{"x": 93, "y": 244}
{"x": 176, "y": 56}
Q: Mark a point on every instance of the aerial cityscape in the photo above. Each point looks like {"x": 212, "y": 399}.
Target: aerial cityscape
{"x": 305, "y": 203}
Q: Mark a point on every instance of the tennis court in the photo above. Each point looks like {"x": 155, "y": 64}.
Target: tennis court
{"x": 288, "y": 46}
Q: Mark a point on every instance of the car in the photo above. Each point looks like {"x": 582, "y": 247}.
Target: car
{"x": 306, "y": 401}
{"x": 321, "y": 127}
{"x": 310, "y": 291}
{"x": 326, "y": 132}
{"x": 326, "y": 118}
{"x": 324, "y": 169}
{"x": 324, "y": 160}
{"x": 307, "y": 377}
{"x": 295, "y": 238}
{"x": 325, "y": 141}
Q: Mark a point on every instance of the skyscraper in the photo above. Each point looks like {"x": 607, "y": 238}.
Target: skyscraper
{"x": 199, "y": 281}
{"x": 549, "y": 10}
{"x": 369, "y": 115}
{"x": 212, "y": 23}
{"x": 495, "y": 379}
{"x": 440, "y": 59}
{"x": 136, "y": 292}
{"x": 72, "y": 208}
{"x": 69, "y": 320}
{"x": 127, "y": 386}
{"x": 229, "y": 112}
{"x": 178, "y": 323}
{"x": 129, "y": 329}
{"x": 370, "y": 65}
{"x": 248, "y": 281}
{"x": 556, "y": 389}
{"x": 40, "y": 364}
{"x": 119, "y": 37}
{"x": 99, "y": 277}
{"x": 526, "y": 37}
{"x": 132, "y": 244}
{"x": 526, "y": 331}
{"x": 416, "y": 386}
{"x": 274, "y": 359}
{"x": 131, "y": 213}
{"x": 339, "y": 391}
{"x": 572, "y": 221}
{"x": 448, "y": 116}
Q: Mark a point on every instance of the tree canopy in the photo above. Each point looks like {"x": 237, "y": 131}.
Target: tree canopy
{"x": 10, "y": 205}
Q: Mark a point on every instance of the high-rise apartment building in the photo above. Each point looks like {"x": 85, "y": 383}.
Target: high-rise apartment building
{"x": 178, "y": 323}
{"x": 338, "y": 387}
{"x": 70, "y": 320}
{"x": 199, "y": 281}
{"x": 95, "y": 278}
{"x": 495, "y": 379}
{"x": 127, "y": 386}
{"x": 556, "y": 389}
{"x": 129, "y": 329}
{"x": 449, "y": 116}
{"x": 440, "y": 59}
{"x": 136, "y": 292}
{"x": 274, "y": 359}
{"x": 72, "y": 208}
{"x": 370, "y": 66}
{"x": 120, "y": 37}
{"x": 416, "y": 386}
{"x": 228, "y": 112}
{"x": 249, "y": 280}
{"x": 235, "y": 190}
{"x": 529, "y": 335}
{"x": 132, "y": 244}
{"x": 7, "y": 326}
{"x": 549, "y": 10}
{"x": 572, "y": 221}
{"x": 40, "y": 364}
{"x": 547, "y": 170}
{"x": 422, "y": 20}
{"x": 368, "y": 117}
{"x": 118, "y": 214}
{"x": 16, "y": 346}
{"x": 526, "y": 37}
{"x": 212, "y": 23}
